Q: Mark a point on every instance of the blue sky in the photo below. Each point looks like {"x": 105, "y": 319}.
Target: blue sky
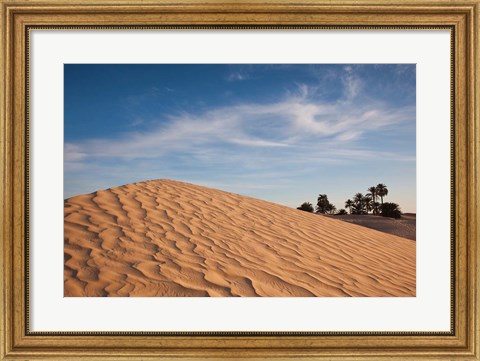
{"x": 279, "y": 132}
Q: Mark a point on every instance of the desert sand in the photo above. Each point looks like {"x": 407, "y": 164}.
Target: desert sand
{"x": 403, "y": 227}
{"x": 168, "y": 238}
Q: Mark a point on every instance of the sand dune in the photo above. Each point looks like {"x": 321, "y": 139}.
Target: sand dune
{"x": 403, "y": 227}
{"x": 168, "y": 238}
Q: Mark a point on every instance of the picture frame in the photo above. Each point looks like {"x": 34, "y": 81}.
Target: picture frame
{"x": 19, "y": 17}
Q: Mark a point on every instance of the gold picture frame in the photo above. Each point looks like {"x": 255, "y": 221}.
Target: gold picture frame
{"x": 20, "y": 16}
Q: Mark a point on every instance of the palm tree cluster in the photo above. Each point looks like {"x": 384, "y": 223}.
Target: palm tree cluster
{"x": 364, "y": 204}
{"x": 324, "y": 206}
{"x": 360, "y": 204}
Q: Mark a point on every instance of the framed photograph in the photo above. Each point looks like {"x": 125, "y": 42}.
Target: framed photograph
{"x": 239, "y": 180}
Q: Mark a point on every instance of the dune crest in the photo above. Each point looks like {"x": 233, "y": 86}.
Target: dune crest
{"x": 168, "y": 238}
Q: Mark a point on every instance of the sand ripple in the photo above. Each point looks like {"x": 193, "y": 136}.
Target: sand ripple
{"x": 168, "y": 238}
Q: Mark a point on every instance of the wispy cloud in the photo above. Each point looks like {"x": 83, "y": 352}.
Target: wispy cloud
{"x": 149, "y": 94}
{"x": 352, "y": 83}
{"x": 237, "y": 76}
{"x": 73, "y": 153}
{"x": 298, "y": 119}
{"x": 289, "y": 136}
{"x": 136, "y": 122}
{"x": 276, "y": 131}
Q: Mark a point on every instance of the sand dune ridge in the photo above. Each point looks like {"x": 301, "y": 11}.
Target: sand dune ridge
{"x": 168, "y": 238}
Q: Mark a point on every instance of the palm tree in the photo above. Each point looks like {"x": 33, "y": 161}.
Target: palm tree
{"x": 373, "y": 195}
{"x": 332, "y": 209}
{"x": 323, "y": 205}
{"x": 349, "y": 204}
{"x": 382, "y": 191}
{"x": 359, "y": 205}
{"x": 367, "y": 201}
{"x": 373, "y": 192}
{"x": 391, "y": 210}
{"x": 306, "y": 206}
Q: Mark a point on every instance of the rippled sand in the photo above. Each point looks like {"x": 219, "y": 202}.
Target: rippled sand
{"x": 168, "y": 238}
{"x": 403, "y": 227}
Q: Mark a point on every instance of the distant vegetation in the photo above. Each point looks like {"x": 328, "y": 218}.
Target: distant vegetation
{"x": 391, "y": 210}
{"x": 360, "y": 204}
{"x": 324, "y": 206}
{"x": 306, "y": 206}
